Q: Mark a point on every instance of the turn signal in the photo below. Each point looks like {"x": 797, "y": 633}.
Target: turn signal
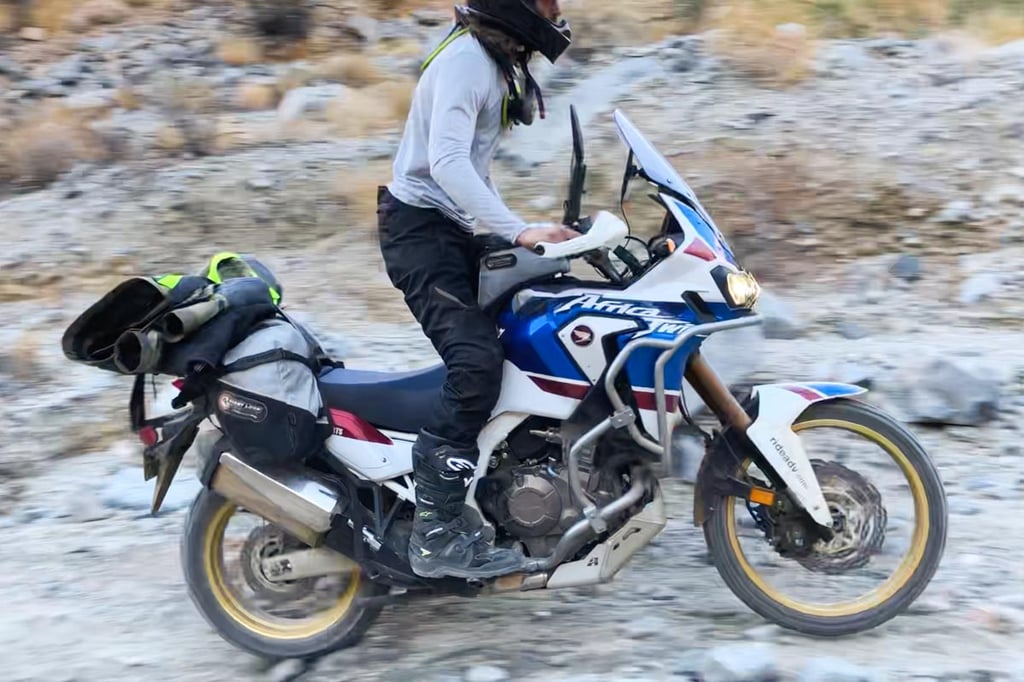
{"x": 762, "y": 496}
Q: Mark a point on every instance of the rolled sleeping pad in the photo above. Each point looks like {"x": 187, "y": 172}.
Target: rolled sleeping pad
{"x": 135, "y": 303}
{"x": 178, "y": 324}
{"x": 234, "y": 293}
{"x": 138, "y": 352}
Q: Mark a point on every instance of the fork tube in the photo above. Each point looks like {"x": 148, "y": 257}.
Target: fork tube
{"x": 715, "y": 393}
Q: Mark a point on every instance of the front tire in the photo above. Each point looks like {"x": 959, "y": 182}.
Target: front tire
{"x": 341, "y": 625}
{"x": 885, "y": 602}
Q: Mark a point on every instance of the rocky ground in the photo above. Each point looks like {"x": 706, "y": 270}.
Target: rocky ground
{"x": 879, "y": 199}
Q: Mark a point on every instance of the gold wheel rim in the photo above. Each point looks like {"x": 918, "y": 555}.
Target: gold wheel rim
{"x": 899, "y": 578}
{"x": 264, "y": 627}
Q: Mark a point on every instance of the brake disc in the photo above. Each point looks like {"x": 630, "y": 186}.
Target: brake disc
{"x": 859, "y": 521}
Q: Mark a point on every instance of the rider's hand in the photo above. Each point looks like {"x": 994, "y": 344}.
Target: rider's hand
{"x": 552, "y": 234}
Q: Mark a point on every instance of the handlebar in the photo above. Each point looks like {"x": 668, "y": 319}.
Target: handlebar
{"x": 603, "y": 231}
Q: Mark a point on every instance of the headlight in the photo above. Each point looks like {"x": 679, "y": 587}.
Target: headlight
{"x": 740, "y": 289}
{"x": 743, "y": 289}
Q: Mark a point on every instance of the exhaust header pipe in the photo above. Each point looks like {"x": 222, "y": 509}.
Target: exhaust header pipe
{"x": 300, "y": 504}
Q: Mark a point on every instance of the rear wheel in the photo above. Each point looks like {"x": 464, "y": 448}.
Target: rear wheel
{"x": 272, "y": 619}
{"x": 861, "y": 523}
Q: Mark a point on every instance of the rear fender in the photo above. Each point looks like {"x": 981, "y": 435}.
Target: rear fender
{"x": 777, "y": 407}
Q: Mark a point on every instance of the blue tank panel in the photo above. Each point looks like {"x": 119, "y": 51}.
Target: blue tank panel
{"x": 531, "y": 343}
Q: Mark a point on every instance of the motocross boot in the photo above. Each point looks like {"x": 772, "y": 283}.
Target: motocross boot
{"x": 447, "y": 539}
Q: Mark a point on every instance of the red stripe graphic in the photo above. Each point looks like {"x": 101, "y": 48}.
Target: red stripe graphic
{"x": 348, "y": 425}
{"x": 645, "y": 400}
{"x": 700, "y": 250}
{"x": 562, "y": 388}
{"x": 644, "y": 397}
{"x": 807, "y": 394}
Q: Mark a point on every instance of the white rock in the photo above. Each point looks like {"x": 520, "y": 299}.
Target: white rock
{"x": 646, "y": 627}
{"x": 364, "y": 27}
{"x": 956, "y": 212}
{"x": 259, "y": 184}
{"x": 687, "y": 453}
{"x": 1001, "y": 619}
{"x": 1006, "y": 193}
{"x": 791, "y": 30}
{"x": 740, "y": 663}
{"x": 128, "y": 490}
{"x": 543, "y": 203}
{"x": 949, "y": 389}
{"x": 302, "y": 102}
{"x": 286, "y": 671}
{"x": 485, "y": 673}
{"x": 980, "y": 286}
{"x": 780, "y": 320}
{"x": 829, "y": 669}
{"x": 32, "y": 33}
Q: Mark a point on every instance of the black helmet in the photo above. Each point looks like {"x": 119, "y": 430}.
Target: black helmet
{"x": 520, "y": 20}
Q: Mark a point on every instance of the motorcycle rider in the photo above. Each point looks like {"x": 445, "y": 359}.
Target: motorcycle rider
{"x": 473, "y": 88}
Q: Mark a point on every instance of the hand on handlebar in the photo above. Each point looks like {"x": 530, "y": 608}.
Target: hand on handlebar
{"x": 551, "y": 234}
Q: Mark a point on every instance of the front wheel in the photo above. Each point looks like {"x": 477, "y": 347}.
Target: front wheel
{"x": 221, "y": 553}
{"x": 864, "y": 519}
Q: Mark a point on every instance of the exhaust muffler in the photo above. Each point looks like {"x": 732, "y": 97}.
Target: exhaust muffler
{"x": 299, "y": 503}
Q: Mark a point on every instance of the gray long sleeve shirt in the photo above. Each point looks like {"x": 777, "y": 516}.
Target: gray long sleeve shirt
{"x": 450, "y": 138}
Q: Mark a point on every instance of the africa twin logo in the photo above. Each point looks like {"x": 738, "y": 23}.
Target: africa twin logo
{"x": 661, "y": 322}
{"x": 595, "y": 302}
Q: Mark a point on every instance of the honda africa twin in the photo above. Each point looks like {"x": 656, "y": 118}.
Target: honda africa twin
{"x": 573, "y": 453}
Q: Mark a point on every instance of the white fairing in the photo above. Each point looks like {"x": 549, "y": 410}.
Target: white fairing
{"x": 587, "y": 351}
{"x": 520, "y": 393}
{"x": 773, "y": 435}
{"x": 375, "y": 461}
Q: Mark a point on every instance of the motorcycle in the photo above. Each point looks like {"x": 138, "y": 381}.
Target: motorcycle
{"x": 573, "y": 456}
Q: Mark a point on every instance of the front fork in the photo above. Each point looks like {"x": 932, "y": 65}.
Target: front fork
{"x": 715, "y": 394}
{"x": 745, "y": 437}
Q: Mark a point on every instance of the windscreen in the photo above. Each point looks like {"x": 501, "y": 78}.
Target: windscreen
{"x": 656, "y": 166}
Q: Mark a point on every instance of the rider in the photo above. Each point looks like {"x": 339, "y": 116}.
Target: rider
{"x": 474, "y": 86}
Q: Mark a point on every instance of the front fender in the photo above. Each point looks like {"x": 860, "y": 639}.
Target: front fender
{"x": 774, "y": 407}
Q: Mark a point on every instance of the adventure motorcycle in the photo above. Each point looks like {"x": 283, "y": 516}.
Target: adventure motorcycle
{"x": 571, "y": 458}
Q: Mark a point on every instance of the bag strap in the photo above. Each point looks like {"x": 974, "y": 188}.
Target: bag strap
{"x": 275, "y": 355}
{"x": 319, "y": 354}
{"x": 137, "y": 403}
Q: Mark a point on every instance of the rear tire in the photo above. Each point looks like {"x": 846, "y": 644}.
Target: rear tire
{"x": 342, "y": 626}
{"x": 910, "y": 579}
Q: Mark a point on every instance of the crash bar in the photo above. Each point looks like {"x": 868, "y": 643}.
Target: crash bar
{"x": 670, "y": 346}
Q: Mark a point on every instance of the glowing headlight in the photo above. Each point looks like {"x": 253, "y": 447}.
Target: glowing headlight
{"x": 740, "y": 289}
{"x": 743, "y": 289}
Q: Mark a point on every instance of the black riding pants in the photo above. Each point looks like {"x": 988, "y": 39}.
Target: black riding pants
{"x": 435, "y": 263}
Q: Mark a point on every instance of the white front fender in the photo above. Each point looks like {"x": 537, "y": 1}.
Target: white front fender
{"x": 779, "y": 405}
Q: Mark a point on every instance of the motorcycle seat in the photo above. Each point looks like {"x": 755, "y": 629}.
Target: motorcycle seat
{"x": 396, "y": 401}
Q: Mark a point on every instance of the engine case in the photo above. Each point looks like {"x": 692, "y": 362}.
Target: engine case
{"x": 533, "y": 504}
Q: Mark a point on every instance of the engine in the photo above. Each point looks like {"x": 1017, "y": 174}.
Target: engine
{"x": 526, "y": 492}
{"x": 531, "y": 503}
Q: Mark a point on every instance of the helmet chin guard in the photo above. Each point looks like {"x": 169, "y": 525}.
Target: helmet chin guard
{"x": 520, "y": 20}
